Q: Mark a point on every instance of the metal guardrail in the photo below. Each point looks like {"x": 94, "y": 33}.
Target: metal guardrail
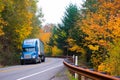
{"x": 87, "y": 74}
{"x": 56, "y": 56}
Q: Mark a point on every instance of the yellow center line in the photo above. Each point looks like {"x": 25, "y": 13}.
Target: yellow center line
{"x": 19, "y": 68}
{"x": 22, "y": 67}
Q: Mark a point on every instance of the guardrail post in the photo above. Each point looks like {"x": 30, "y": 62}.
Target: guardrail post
{"x": 76, "y": 60}
{"x": 82, "y": 77}
{"x": 73, "y": 58}
{"x": 76, "y": 63}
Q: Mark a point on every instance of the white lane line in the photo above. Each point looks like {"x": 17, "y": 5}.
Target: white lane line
{"x": 39, "y": 72}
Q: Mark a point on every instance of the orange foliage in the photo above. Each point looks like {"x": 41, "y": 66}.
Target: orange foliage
{"x": 44, "y": 36}
{"x": 104, "y": 23}
{"x": 102, "y": 27}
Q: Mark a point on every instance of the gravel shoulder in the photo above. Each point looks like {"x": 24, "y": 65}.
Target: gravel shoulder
{"x": 62, "y": 75}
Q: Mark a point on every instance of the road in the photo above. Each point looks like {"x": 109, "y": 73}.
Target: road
{"x": 40, "y": 71}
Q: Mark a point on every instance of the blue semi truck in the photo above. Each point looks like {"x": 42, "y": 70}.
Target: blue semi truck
{"x": 32, "y": 51}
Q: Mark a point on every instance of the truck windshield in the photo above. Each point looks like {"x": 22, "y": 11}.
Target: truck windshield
{"x": 29, "y": 49}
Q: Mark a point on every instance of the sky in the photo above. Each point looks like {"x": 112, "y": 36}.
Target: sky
{"x": 53, "y": 10}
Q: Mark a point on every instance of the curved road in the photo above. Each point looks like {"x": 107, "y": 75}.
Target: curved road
{"x": 40, "y": 71}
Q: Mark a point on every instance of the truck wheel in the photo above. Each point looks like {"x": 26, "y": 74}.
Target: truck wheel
{"x": 43, "y": 59}
{"x": 39, "y": 60}
{"x": 22, "y": 62}
{"x": 35, "y": 61}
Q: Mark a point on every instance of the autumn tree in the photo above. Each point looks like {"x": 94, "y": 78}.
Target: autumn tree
{"x": 36, "y": 22}
{"x": 17, "y": 20}
{"x": 112, "y": 27}
{"x": 2, "y": 21}
{"x": 18, "y": 17}
{"x": 90, "y": 26}
{"x": 96, "y": 24}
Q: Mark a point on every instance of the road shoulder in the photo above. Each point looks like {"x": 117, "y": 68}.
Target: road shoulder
{"x": 62, "y": 75}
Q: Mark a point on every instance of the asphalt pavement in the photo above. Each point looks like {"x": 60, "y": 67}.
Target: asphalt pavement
{"x": 41, "y": 71}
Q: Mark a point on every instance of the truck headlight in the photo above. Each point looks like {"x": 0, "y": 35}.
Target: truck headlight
{"x": 34, "y": 56}
{"x": 21, "y": 57}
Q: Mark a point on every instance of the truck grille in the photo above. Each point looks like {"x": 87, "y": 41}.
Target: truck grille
{"x": 27, "y": 56}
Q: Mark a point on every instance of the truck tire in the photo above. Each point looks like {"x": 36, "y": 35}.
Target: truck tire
{"x": 39, "y": 60}
{"x": 43, "y": 58}
{"x": 35, "y": 61}
{"x": 22, "y": 62}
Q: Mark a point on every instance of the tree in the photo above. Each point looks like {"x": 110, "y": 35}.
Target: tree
{"x": 62, "y": 33}
{"x": 97, "y": 24}
{"x": 18, "y": 17}
{"x": 112, "y": 64}
{"x": 3, "y": 23}
{"x": 36, "y": 22}
{"x": 17, "y": 21}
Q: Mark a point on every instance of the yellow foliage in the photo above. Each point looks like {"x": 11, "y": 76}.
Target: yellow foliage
{"x": 1, "y": 32}
{"x": 102, "y": 27}
{"x": 105, "y": 68}
{"x": 74, "y": 46}
{"x": 56, "y": 36}
{"x": 56, "y": 51}
{"x": 101, "y": 41}
{"x": 71, "y": 41}
{"x": 97, "y": 26}
{"x": 77, "y": 48}
{"x": 87, "y": 38}
{"x": 112, "y": 64}
{"x": 45, "y": 36}
{"x": 2, "y": 24}
{"x": 2, "y": 5}
{"x": 96, "y": 47}
{"x": 114, "y": 26}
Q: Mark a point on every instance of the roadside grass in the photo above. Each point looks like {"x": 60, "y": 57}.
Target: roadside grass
{"x": 1, "y": 66}
{"x": 61, "y": 75}
{"x": 70, "y": 76}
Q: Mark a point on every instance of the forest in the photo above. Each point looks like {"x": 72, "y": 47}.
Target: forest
{"x": 19, "y": 19}
{"x": 91, "y": 31}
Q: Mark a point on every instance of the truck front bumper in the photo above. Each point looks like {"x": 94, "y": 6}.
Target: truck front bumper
{"x": 28, "y": 60}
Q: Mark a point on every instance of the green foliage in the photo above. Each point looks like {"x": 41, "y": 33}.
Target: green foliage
{"x": 70, "y": 76}
{"x": 90, "y": 5}
{"x": 115, "y": 59}
{"x": 62, "y": 33}
{"x": 8, "y": 56}
{"x": 112, "y": 64}
{"x": 70, "y": 18}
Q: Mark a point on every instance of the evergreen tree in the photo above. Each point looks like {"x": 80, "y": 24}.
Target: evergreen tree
{"x": 62, "y": 33}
